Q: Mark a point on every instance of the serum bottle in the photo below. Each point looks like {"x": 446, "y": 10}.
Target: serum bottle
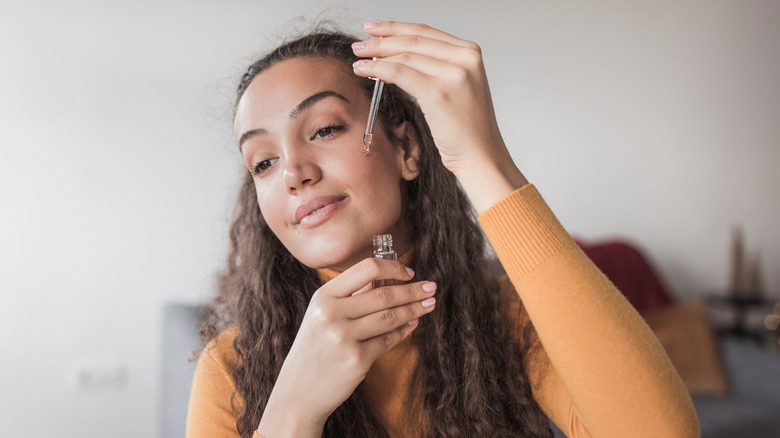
{"x": 383, "y": 249}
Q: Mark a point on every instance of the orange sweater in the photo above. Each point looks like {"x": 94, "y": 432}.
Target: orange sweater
{"x": 605, "y": 374}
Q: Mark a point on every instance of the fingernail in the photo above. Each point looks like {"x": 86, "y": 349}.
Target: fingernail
{"x": 359, "y": 64}
{"x": 429, "y": 287}
{"x": 370, "y": 24}
{"x": 428, "y": 302}
{"x": 409, "y": 271}
{"x": 360, "y": 45}
{"x": 413, "y": 322}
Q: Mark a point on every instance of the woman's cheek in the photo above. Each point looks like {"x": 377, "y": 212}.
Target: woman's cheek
{"x": 266, "y": 203}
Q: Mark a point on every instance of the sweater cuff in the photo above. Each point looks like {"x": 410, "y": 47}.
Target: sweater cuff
{"x": 523, "y": 230}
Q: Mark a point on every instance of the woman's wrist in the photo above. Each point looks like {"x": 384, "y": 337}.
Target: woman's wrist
{"x": 282, "y": 421}
{"x": 487, "y": 180}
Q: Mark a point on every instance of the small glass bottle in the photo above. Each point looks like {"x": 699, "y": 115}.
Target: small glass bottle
{"x": 383, "y": 249}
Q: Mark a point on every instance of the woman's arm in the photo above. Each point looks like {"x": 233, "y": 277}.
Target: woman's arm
{"x": 615, "y": 372}
{"x": 609, "y": 376}
{"x": 210, "y": 413}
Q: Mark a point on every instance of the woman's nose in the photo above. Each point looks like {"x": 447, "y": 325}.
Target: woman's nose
{"x": 300, "y": 172}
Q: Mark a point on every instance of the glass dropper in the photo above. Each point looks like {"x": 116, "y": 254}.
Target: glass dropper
{"x": 368, "y": 136}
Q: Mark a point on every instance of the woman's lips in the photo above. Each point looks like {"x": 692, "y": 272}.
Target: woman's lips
{"x": 317, "y": 210}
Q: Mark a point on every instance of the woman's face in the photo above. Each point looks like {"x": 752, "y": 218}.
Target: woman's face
{"x": 300, "y": 126}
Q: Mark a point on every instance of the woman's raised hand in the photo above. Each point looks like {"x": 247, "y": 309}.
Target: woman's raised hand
{"x": 347, "y": 326}
{"x": 447, "y": 77}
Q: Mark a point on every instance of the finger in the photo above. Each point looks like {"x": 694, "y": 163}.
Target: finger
{"x": 388, "y": 297}
{"x": 393, "y": 28}
{"x": 384, "y": 47}
{"x": 381, "y": 344}
{"x": 397, "y": 73}
{"x": 384, "y": 321}
{"x": 363, "y": 289}
{"x": 427, "y": 66}
{"x": 362, "y": 273}
{"x": 430, "y": 75}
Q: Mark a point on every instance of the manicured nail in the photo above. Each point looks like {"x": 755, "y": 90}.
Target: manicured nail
{"x": 358, "y": 46}
{"x": 370, "y": 25}
{"x": 409, "y": 271}
{"x": 428, "y": 302}
{"x": 429, "y": 286}
{"x": 413, "y": 322}
{"x": 359, "y": 64}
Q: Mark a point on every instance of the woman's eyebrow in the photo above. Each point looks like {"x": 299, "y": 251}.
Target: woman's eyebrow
{"x": 305, "y": 104}
{"x": 311, "y": 100}
{"x": 249, "y": 134}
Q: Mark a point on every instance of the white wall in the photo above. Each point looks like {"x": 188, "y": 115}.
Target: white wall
{"x": 655, "y": 121}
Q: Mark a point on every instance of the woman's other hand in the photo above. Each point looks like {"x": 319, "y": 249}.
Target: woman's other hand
{"x": 347, "y": 326}
{"x": 447, "y": 77}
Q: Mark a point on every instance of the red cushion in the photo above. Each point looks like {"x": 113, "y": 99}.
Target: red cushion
{"x": 628, "y": 269}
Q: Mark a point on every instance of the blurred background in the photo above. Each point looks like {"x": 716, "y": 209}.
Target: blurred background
{"x": 653, "y": 122}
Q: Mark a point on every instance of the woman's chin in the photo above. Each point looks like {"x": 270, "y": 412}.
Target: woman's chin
{"x": 337, "y": 259}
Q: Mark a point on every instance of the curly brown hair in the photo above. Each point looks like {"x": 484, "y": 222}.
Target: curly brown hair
{"x": 470, "y": 375}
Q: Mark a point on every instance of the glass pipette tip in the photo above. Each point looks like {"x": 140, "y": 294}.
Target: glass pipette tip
{"x": 374, "y": 108}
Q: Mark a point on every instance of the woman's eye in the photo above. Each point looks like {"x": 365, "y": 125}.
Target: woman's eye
{"x": 262, "y": 166}
{"x": 327, "y": 131}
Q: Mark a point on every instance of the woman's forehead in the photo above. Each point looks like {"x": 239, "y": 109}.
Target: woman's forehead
{"x": 276, "y": 91}
{"x": 304, "y": 74}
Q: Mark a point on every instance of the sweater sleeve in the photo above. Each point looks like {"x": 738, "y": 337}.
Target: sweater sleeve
{"x": 600, "y": 371}
{"x": 211, "y": 413}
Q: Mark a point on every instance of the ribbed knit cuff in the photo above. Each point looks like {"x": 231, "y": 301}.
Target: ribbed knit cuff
{"x": 523, "y": 230}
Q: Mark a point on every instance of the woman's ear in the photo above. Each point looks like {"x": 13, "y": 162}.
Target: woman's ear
{"x": 410, "y": 151}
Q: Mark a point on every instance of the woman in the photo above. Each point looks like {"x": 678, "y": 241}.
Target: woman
{"x": 299, "y": 344}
